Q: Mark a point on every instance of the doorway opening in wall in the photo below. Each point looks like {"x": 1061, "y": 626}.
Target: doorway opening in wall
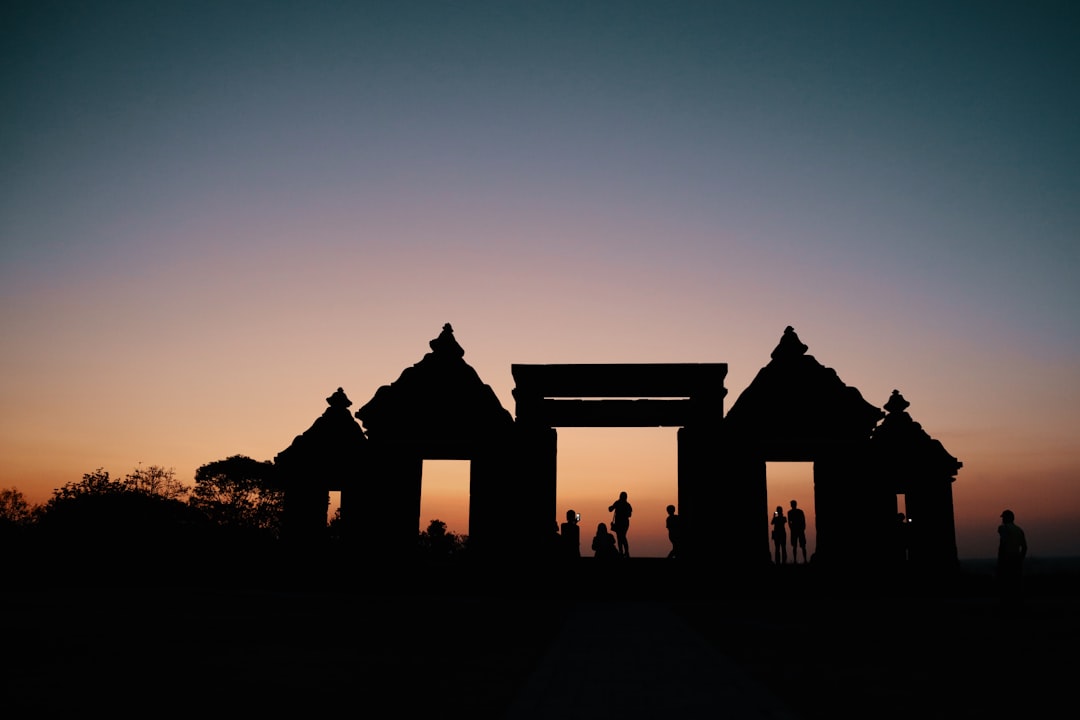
{"x": 594, "y": 465}
{"x": 334, "y": 506}
{"x": 902, "y": 540}
{"x": 787, "y": 481}
{"x": 444, "y": 495}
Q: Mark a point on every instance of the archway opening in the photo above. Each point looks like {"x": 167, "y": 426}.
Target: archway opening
{"x": 444, "y": 495}
{"x": 902, "y": 529}
{"x": 595, "y": 464}
{"x": 333, "y": 506}
{"x": 787, "y": 481}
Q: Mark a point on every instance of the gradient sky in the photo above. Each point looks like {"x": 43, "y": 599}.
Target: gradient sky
{"x": 213, "y": 214}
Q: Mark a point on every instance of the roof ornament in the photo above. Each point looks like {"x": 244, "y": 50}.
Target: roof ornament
{"x": 896, "y": 403}
{"x": 789, "y": 347}
{"x": 446, "y": 345}
{"x": 338, "y": 400}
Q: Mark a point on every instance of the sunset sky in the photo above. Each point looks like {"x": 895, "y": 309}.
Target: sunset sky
{"x": 213, "y": 214}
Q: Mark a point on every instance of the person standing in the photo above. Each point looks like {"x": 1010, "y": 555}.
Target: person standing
{"x": 1012, "y": 549}
{"x": 673, "y": 531}
{"x": 779, "y": 536}
{"x": 796, "y": 520}
{"x": 571, "y": 536}
{"x": 621, "y": 522}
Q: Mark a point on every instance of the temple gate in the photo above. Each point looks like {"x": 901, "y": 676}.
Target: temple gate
{"x": 687, "y": 396}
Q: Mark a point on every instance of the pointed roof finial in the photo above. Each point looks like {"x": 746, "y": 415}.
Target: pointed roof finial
{"x": 789, "y": 346}
{"x": 897, "y": 403}
{"x": 339, "y": 400}
{"x": 445, "y": 344}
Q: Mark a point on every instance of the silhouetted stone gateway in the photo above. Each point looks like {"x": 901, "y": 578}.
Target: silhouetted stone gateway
{"x": 330, "y": 455}
{"x": 439, "y": 409}
{"x": 687, "y": 396}
{"x": 796, "y": 409}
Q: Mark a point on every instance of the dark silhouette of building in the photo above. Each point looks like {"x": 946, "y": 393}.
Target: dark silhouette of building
{"x": 440, "y": 409}
{"x": 795, "y": 409}
{"x": 331, "y": 455}
{"x": 908, "y": 462}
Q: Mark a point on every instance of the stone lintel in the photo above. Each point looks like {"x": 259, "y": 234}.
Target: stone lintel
{"x": 643, "y": 380}
{"x": 617, "y": 413}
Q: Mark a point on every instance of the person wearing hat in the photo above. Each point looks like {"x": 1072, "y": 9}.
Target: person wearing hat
{"x": 1012, "y": 549}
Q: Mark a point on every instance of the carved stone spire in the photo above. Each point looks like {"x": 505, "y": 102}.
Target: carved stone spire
{"x": 446, "y": 345}
{"x": 896, "y": 403}
{"x": 339, "y": 400}
{"x": 789, "y": 346}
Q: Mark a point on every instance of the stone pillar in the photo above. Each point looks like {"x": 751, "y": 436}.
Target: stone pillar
{"x": 528, "y": 501}
{"x": 492, "y": 481}
{"x": 393, "y": 516}
{"x": 932, "y": 528}
{"x": 856, "y": 512}
{"x": 303, "y": 519}
{"x": 837, "y": 512}
{"x": 722, "y": 499}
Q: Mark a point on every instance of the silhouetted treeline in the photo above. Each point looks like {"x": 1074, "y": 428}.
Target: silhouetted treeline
{"x": 146, "y": 525}
{"x": 438, "y": 544}
{"x": 149, "y": 526}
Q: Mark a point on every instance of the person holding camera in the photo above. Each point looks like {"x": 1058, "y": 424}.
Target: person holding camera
{"x": 779, "y": 536}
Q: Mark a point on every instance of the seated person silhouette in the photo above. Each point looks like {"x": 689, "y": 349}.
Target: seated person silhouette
{"x": 571, "y": 536}
{"x": 603, "y": 544}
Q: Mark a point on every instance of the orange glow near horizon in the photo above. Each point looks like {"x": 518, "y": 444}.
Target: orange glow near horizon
{"x": 787, "y": 481}
{"x": 595, "y": 464}
{"x": 444, "y": 494}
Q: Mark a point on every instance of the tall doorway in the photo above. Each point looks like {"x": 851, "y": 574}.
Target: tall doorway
{"x": 444, "y": 495}
{"x": 787, "y": 481}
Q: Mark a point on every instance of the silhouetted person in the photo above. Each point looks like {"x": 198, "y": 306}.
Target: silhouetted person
{"x": 603, "y": 544}
{"x": 797, "y": 523}
{"x": 779, "y": 536}
{"x": 621, "y": 522}
{"x": 1012, "y": 549}
{"x": 674, "y": 532}
{"x": 571, "y": 536}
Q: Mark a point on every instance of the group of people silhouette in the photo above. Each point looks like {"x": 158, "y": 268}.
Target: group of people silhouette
{"x": 612, "y": 543}
{"x": 607, "y": 544}
{"x": 796, "y": 523}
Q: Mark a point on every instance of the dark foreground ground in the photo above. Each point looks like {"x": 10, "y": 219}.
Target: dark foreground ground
{"x": 463, "y": 642}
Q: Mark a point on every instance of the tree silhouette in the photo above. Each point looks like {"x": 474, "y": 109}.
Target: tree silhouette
{"x": 437, "y": 543}
{"x": 93, "y": 483}
{"x": 17, "y": 518}
{"x": 238, "y": 492}
{"x": 15, "y": 511}
{"x": 152, "y": 480}
{"x": 156, "y": 480}
{"x": 100, "y": 523}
